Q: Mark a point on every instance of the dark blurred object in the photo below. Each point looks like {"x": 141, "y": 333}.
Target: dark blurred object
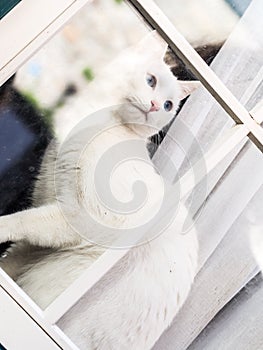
{"x": 2, "y": 347}
{"x": 24, "y": 136}
{"x": 207, "y": 52}
{"x": 6, "y": 6}
{"x": 178, "y": 68}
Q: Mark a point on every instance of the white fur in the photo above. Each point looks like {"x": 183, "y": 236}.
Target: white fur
{"x": 121, "y": 76}
{"x": 136, "y": 300}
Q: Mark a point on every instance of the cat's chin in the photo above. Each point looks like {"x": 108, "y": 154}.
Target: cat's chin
{"x": 143, "y": 130}
{"x": 139, "y": 119}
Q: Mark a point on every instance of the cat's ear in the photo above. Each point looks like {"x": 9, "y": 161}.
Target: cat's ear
{"x": 153, "y": 44}
{"x": 187, "y": 87}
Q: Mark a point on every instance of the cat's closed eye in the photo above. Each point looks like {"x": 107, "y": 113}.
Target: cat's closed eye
{"x": 151, "y": 80}
{"x": 168, "y": 105}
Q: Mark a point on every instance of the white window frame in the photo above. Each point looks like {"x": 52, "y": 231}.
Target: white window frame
{"x": 54, "y": 16}
{"x": 28, "y": 26}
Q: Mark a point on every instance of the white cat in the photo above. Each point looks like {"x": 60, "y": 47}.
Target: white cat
{"x": 136, "y": 301}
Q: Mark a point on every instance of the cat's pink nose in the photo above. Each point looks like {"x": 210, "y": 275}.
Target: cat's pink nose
{"x": 155, "y": 106}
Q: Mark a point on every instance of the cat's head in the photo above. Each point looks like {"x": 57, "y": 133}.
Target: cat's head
{"x": 152, "y": 94}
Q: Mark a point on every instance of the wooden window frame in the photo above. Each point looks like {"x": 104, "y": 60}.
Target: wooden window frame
{"x": 247, "y": 125}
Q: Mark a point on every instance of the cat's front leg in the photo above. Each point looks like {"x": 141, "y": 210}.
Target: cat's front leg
{"x": 44, "y": 226}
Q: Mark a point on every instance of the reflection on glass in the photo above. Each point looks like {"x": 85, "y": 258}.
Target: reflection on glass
{"x": 56, "y": 87}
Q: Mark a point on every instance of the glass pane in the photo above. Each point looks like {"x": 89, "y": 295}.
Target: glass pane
{"x": 79, "y": 72}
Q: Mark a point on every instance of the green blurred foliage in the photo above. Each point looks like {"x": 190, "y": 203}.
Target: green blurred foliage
{"x": 88, "y": 73}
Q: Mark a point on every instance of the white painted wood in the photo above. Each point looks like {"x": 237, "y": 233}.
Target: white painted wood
{"x": 232, "y": 138}
{"x": 39, "y": 16}
{"x": 38, "y": 22}
{"x": 239, "y": 325}
{"x": 228, "y": 268}
{"x": 31, "y": 310}
{"x": 229, "y": 199}
{"x": 155, "y": 17}
{"x": 18, "y": 330}
{"x": 257, "y": 112}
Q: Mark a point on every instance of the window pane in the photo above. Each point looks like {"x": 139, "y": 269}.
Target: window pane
{"x": 64, "y": 82}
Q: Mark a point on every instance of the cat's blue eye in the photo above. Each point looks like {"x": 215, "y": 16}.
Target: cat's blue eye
{"x": 168, "y": 105}
{"x": 151, "y": 80}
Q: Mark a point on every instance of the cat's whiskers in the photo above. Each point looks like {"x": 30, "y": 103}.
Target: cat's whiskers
{"x": 138, "y": 104}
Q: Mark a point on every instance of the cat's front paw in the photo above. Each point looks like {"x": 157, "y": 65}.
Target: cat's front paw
{"x": 5, "y": 232}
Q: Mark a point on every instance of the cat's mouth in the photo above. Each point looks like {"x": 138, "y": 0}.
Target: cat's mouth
{"x": 140, "y": 107}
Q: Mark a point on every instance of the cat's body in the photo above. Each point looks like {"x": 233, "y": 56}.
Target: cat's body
{"x": 134, "y": 303}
